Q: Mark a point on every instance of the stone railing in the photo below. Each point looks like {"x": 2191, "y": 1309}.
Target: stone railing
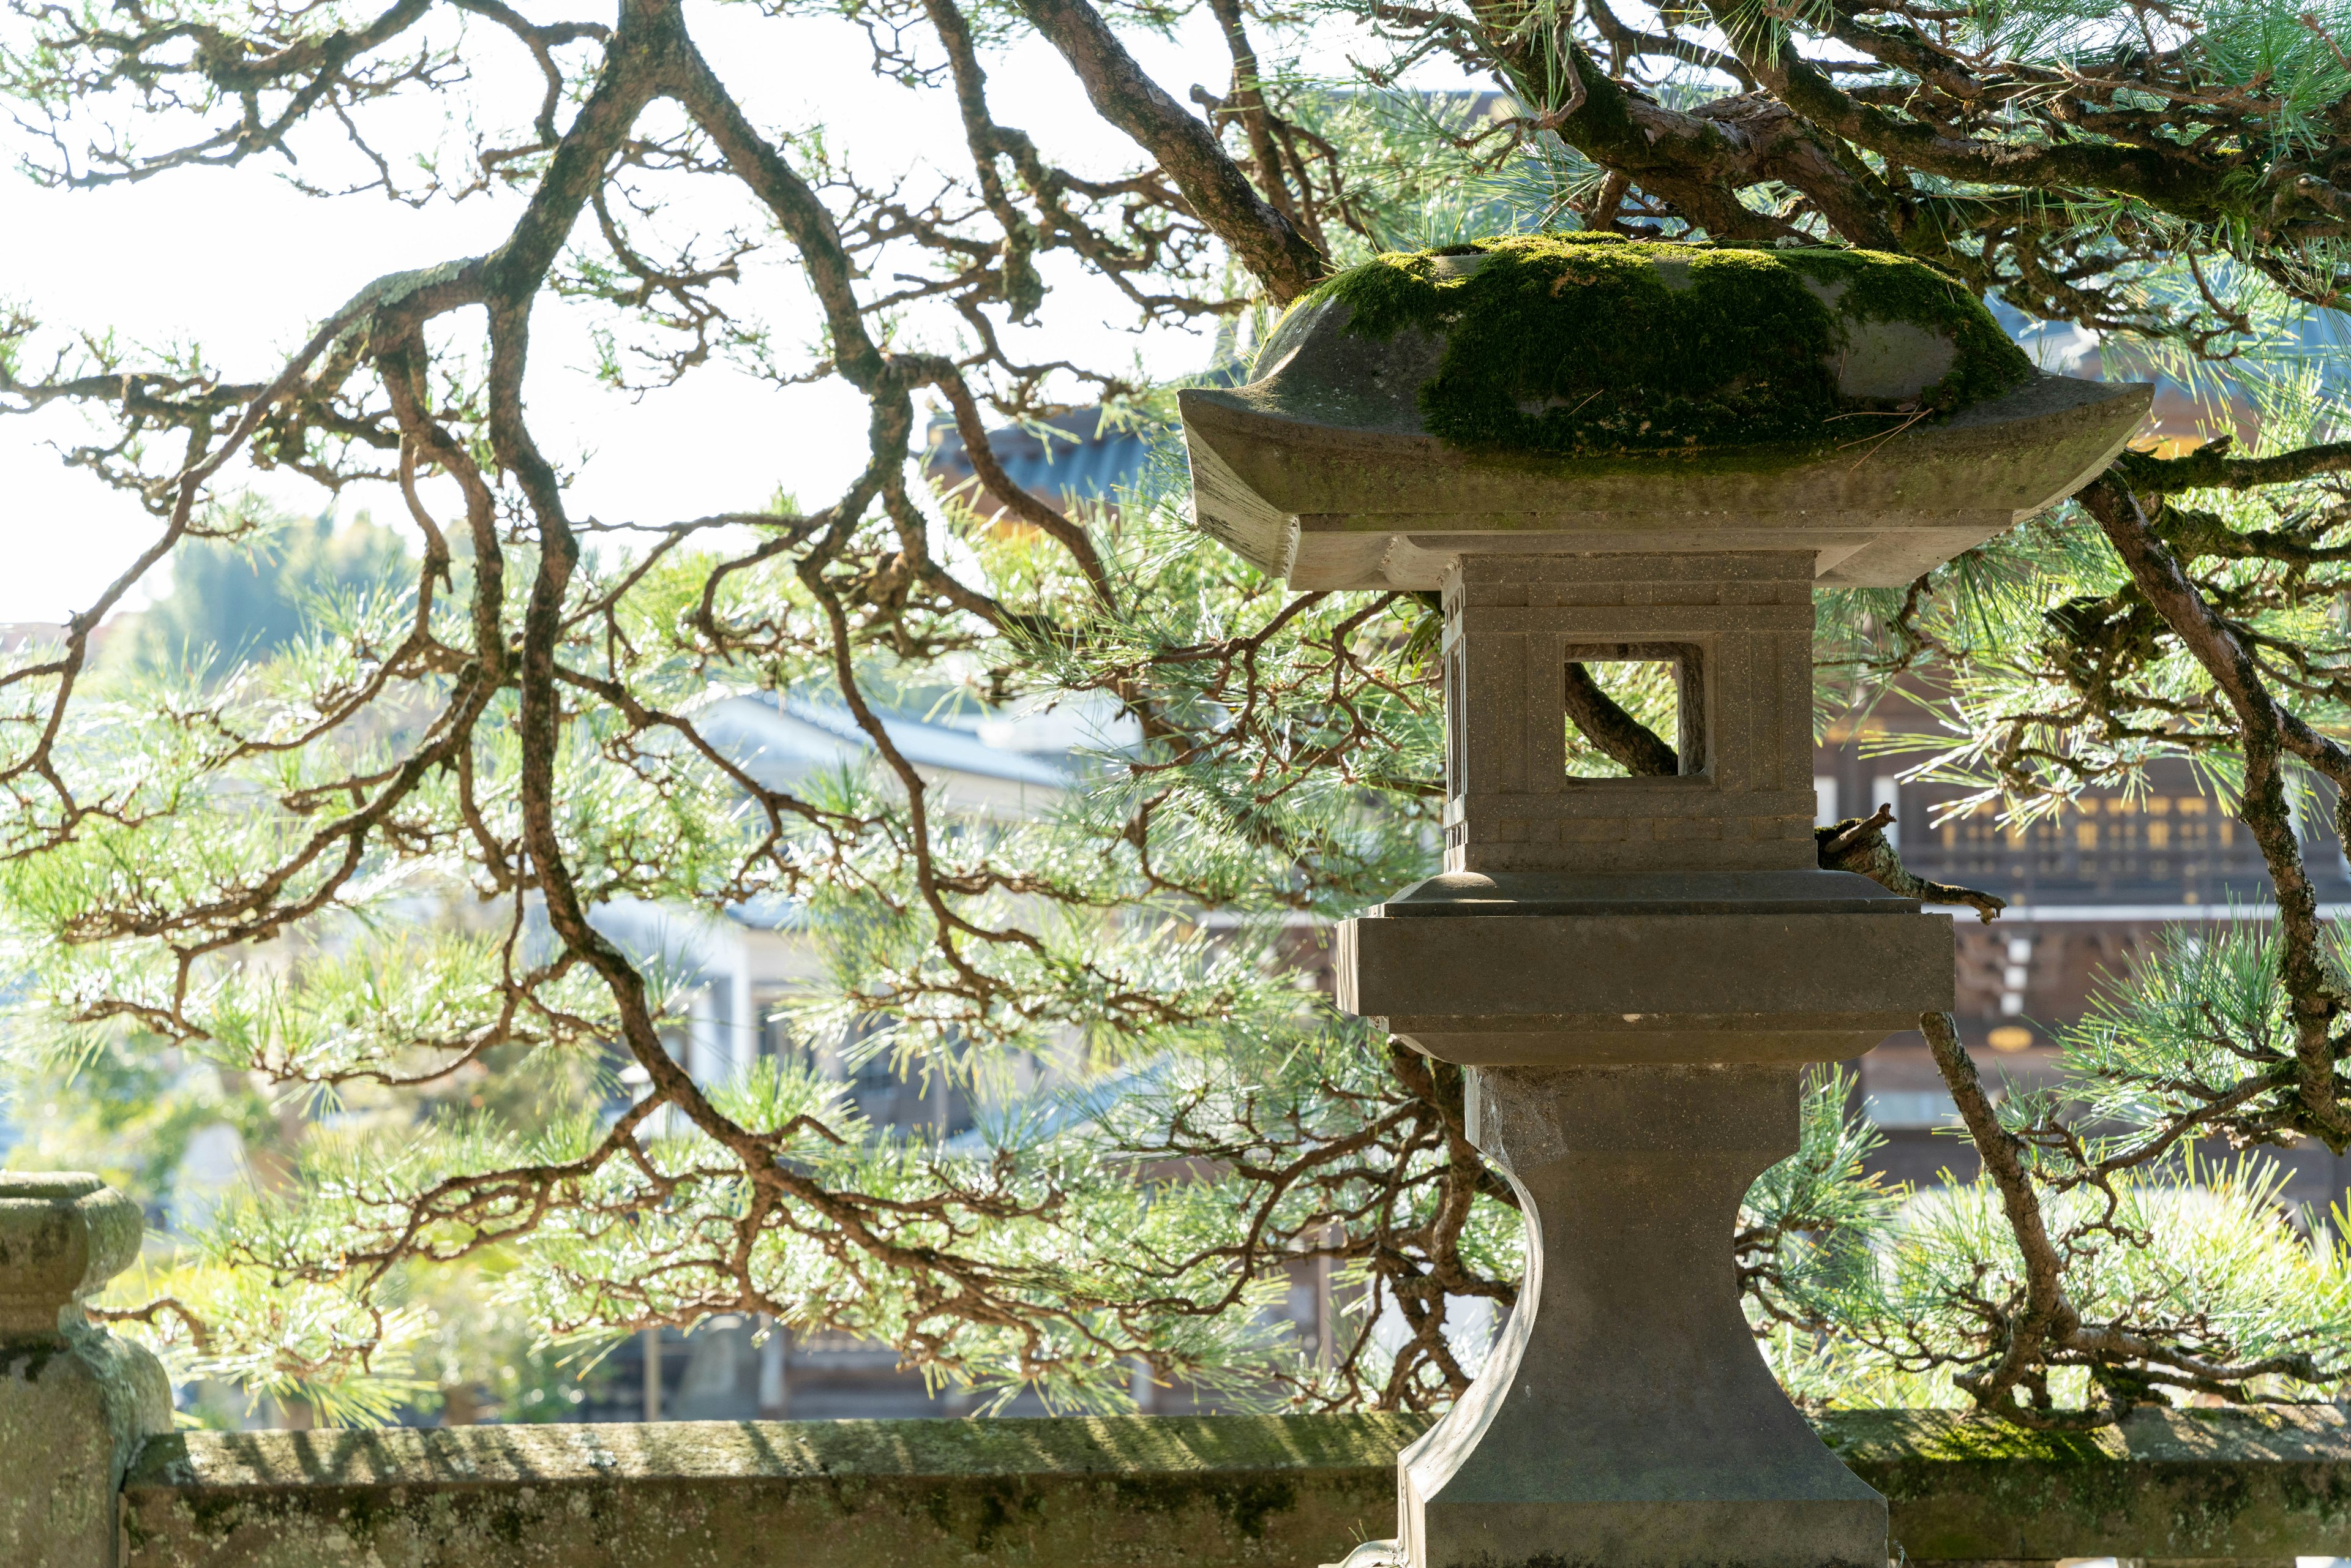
{"x": 92, "y": 1476}
{"x": 1162, "y": 1491}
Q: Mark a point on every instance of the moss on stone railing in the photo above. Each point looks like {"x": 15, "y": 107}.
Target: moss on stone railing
{"x": 2261, "y": 1486}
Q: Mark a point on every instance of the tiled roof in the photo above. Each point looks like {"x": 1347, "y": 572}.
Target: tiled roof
{"x": 780, "y": 740}
{"x": 1076, "y": 456}
{"x": 781, "y": 737}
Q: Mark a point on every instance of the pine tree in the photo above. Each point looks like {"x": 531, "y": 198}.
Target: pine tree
{"x": 221, "y": 861}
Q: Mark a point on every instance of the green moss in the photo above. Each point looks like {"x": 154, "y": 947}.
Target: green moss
{"x": 1896, "y": 1438}
{"x": 1583, "y": 344}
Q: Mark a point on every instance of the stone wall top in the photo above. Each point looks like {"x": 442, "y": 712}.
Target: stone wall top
{"x": 1171, "y": 1493}
{"x": 550, "y": 1455}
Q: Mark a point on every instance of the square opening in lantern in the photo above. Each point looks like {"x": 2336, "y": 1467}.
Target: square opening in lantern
{"x": 1632, "y": 711}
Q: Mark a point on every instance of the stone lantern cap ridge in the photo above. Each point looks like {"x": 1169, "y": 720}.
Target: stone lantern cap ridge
{"x": 1585, "y": 391}
{"x": 63, "y": 1235}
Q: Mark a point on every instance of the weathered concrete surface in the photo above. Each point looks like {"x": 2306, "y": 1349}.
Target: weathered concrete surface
{"x": 1323, "y": 472}
{"x": 2261, "y": 1485}
{"x": 62, "y": 1236}
{"x": 75, "y": 1402}
{"x": 1505, "y": 990}
{"x": 2196, "y": 1486}
{"x": 1420, "y": 423}
{"x": 1639, "y": 1060}
{"x": 1173, "y": 1493}
{"x": 1624, "y": 1417}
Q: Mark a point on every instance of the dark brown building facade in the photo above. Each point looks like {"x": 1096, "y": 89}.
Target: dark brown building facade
{"x": 2092, "y": 891}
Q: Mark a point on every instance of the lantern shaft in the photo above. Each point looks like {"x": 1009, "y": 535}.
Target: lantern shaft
{"x": 1623, "y": 1417}
{"x": 1634, "y": 971}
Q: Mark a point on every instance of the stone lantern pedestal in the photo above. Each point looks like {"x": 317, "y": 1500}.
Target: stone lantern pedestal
{"x": 1632, "y": 971}
{"x": 75, "y": 1401}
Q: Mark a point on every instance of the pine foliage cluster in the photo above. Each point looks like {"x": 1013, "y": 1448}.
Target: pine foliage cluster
{"x": 326, "y": 864}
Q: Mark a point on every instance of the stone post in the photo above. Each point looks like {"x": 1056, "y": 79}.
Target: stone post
{"x": 1633, "y": 972}
{"x": 75, "y": 1401}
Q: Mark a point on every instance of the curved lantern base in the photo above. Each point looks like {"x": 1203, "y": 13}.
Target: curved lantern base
{"x": 1625, "y": 1418}
{"x": 1634, "y": 1055}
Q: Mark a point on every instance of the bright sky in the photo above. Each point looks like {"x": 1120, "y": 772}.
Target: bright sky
{"x": 243, "y": 265}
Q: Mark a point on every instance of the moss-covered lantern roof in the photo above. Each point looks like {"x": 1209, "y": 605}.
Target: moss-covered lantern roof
{"x": 1638, "y": 396}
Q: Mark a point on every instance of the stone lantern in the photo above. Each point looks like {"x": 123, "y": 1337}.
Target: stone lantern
{"x": 1599, "y": 449}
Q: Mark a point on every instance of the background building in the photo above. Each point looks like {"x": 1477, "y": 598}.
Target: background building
{"x": 2090, "y": 892}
